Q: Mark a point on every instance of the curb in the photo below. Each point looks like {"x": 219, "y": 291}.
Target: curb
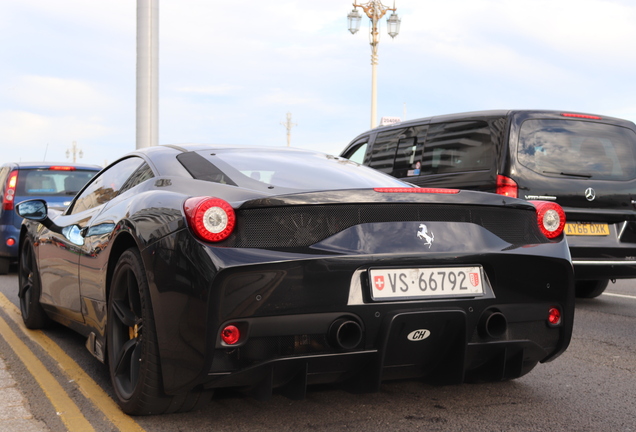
{"x": 15, "y": 413}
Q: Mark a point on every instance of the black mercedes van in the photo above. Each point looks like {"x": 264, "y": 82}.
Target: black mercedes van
{"x": 584, "y": 162}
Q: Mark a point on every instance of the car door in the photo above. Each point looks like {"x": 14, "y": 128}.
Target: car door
{"x": 60, "y": 253}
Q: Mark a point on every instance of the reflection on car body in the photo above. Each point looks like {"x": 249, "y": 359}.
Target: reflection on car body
{"x": 187, "y": 273}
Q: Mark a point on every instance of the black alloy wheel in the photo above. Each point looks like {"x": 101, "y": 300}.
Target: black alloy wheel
{"x": 129, "y": 336}
{"x": 133, "y": 355}
{"x": 30, "y": 289}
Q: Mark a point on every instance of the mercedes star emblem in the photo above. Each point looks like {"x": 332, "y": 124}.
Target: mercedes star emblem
{"x": 590, "y": 194}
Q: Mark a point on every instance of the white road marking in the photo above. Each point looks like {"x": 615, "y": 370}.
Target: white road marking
{"x": 620, "y": 295}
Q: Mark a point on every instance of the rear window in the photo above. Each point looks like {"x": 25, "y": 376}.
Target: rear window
{"x": 45, "y": 182}
{"x": 299, "y": 170}
{"x": 577, "y": 149}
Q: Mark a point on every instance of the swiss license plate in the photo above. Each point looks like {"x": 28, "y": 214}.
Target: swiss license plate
{"x": 586, "y": 229}
{"x": 419, "y": 283}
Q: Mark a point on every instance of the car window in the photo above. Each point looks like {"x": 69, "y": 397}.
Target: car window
{"x": 52, "y": 181}
{"x": 107, "y": 185}
{"x": 297, "y": 170}
{"x": 383, "y": 151}
{"x": 586, "y": 149}
{"x": 457, "y": 147}
{"x": 409, "y": 152}
{"x": 357, "y": 153}
{"x": 143, "y": 173}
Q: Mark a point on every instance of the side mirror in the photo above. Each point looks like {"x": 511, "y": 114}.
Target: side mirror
{"x": 37, "y": 210}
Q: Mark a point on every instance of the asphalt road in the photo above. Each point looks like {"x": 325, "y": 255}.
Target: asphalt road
{"x": 592, "y": 387}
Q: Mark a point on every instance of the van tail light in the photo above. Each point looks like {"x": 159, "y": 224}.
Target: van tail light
{"x": 416, "y": 190}
{"x": 211, "y": 219}
{"x": 550, "y": 218}
{"x": 583, "y": 116}
{"x": 9, "y": 191}
{"x": 507, "y": 186}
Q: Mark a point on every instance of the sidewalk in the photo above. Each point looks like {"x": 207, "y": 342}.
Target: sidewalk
{"x": 15, "y": 414}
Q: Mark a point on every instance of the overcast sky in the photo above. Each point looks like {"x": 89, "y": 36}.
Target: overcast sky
{"x": 231, "y": 70}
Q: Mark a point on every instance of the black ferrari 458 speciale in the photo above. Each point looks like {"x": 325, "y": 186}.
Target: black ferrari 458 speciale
{"x": 201, "y": 267}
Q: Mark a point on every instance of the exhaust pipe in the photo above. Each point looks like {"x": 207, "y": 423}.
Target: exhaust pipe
{"x": 493, "y": 324}
{"x": 345, "y": 333}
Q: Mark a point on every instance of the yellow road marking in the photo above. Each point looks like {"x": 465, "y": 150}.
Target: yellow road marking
{"x": 89, "y": 388}
{"x": 68, "y": 411}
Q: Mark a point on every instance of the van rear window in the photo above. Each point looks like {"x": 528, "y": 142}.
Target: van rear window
{"x": 578, "y": 149}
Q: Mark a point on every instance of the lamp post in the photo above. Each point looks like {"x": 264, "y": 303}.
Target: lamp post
{"x": 375, "y": 10}
{"x": 75, "y": 152}
{"x": 288, "y": 125}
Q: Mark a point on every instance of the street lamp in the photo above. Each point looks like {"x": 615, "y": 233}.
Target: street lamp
{"x": 75, "y": 152}
{"x": 375, "y": 10}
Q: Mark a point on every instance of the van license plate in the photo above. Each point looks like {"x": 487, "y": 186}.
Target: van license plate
{"x": 586, "y": 229}
{"x": 421, "y": 283}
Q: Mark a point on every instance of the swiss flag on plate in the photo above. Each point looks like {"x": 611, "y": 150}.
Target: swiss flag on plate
{"x": 378, "y": 281}
{"x": 474, "y": 279}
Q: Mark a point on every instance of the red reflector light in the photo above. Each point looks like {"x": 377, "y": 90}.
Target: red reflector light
{"x": 211, "y": 219}
{"x": 10, "y": 241}
{"x": 550, "y": 218}
{"x": 417, "y": 190}
{"x": 585, "y": 116}
{"x": 554, "y": 316}
{"x": 507, "y": 186}
{"x": 230, "y": 334}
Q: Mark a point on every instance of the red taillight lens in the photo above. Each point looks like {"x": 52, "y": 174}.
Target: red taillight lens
{"x": 211, "y": 219}
{"x": 585, "y": 116}
{"x": 417, "y": 190}
{"x": 554, "y": 316}
{"x": 9, "y": 193}
{"x": 507, "y": 186}
{"x": 550, "y": 218}
{"x": 230, "y": 334}
{"x": 10, "y": 241}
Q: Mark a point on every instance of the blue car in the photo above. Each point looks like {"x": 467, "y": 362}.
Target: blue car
{"x": 55, "y": 183}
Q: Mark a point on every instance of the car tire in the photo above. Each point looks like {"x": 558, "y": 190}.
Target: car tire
{"x": 590, "y": 288}
{"x": 133, "y": 354}
{"x": 30, "y": 289}
{"x": 4, "y": 265}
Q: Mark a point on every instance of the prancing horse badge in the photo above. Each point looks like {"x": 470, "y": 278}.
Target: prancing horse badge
{"x": 424, "y": 235}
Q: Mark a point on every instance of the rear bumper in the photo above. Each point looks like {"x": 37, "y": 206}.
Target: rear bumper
{"x": 454, "y": 349}
{"x": 591, "y": 269}
{"x": 286, "y": 303}
{"x": 9, "y": 232}
{"x": 604, "y": 257}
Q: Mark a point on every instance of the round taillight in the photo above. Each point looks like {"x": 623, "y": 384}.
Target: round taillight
{"x": 550, "y": 218}
{"x": 554, "y": 316}
{"x": 230, "y": 334}
{"x": 211, "y": 219}
{"x": 10, "y": 241}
